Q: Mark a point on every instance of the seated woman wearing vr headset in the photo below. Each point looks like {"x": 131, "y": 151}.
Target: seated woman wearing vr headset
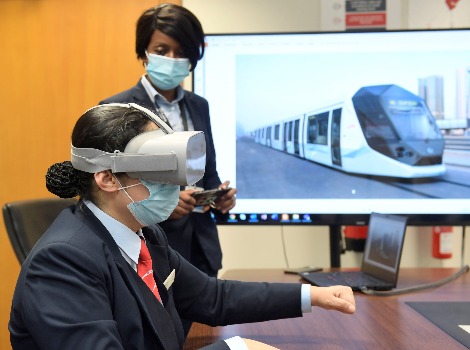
{"x": 82, "y": 285}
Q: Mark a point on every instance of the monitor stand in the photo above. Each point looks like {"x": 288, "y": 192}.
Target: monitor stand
{"x": 336, "y": 245}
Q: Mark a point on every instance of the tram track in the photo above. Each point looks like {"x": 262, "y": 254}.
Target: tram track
{"x": 429, "y": 188}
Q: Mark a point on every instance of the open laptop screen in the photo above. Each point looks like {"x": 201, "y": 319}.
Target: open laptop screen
{"x": 384, "y": 245}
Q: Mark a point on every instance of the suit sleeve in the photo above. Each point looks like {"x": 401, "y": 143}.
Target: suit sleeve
{"x": 216, "y": 302}
{"x": 67, "y": 304}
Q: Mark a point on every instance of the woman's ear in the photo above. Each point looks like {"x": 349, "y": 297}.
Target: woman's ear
{"x": 106, "y": 181}
{"x": 145, "y": 60}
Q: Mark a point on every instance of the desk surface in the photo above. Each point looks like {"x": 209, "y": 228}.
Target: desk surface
{"x": 379, "y": 322}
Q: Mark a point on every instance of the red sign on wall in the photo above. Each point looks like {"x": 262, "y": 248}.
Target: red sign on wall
{"x": 365, "y": 14}
{"x": 364, "y": 20}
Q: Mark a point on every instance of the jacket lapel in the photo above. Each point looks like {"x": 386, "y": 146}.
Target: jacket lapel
{"x": 152, "y": 311}
{"x": 192, "y": 109}
{"x": 161, "y": 266}
{"x": 140, "y": 96}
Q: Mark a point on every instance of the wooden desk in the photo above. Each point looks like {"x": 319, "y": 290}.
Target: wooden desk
{"x": 379, "y": 322}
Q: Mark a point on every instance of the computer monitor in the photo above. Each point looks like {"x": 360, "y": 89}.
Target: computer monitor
{"x": 325, "y": 128}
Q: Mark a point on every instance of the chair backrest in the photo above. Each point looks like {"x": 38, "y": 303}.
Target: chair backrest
{"x": 27, "y": 220}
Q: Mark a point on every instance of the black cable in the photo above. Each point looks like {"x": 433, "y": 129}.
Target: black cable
{"x": 418, "y": 288}
{"x": 462, "y": 251}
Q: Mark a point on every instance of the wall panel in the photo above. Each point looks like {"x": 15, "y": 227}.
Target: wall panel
{"x": 58, "y": 58}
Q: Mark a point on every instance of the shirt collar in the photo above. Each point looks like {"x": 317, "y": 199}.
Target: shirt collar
{"x": 153, "y": 93}
{"x": 126, "y": 239}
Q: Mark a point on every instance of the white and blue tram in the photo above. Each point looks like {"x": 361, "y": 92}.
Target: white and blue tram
{"x": 382, "y": 130}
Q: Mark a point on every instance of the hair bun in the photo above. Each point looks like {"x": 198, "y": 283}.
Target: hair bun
{"x": 61, "y": 180}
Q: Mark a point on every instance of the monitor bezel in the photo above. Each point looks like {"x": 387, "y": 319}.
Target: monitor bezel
{"x": 339, "y": 219}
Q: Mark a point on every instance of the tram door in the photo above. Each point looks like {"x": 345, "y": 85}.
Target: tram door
{"x": 286, "y": 136}
{"x": 296, "y": 137}
{"x": 336, "y": 137}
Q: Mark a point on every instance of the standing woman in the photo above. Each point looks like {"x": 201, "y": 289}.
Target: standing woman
{"x": 170, "y": 42}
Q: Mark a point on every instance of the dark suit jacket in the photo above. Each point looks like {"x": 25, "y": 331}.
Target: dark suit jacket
{"x": 195, "y": 226}
{"x": 76, "y": 291}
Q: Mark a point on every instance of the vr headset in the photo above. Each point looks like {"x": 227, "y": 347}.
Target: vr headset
{"x": 160, "y": 155}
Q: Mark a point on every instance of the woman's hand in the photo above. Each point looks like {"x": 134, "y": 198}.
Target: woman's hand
{"x": 227, "y": 201}
{"x": 186, "y": 204}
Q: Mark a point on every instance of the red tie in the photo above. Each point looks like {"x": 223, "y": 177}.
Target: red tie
{"x": 145, "y": 270}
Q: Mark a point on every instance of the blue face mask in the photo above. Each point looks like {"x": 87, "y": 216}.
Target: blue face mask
{"x": 161, "y": 202}
{"x": 166, "y": 73}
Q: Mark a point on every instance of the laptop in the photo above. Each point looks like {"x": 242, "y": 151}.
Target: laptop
{"x": 381, "y": 261}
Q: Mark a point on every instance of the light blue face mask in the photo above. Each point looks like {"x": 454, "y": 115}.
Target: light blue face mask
{"x": 161, "y": 202}
{"x": 166, "y": 72}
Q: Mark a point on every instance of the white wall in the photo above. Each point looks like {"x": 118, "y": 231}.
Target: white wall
{"x": 244, "y": 16}
{"x": 294, "y": 246}
{"x": 263, "y": 247}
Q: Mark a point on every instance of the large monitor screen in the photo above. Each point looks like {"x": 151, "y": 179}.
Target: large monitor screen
{"x": 325, "y": 128}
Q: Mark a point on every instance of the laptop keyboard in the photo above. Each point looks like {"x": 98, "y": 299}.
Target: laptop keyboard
{"x": 355, "y": 279}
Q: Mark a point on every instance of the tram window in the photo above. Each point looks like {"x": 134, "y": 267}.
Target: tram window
{"x": 286, "y": 132}
{"x": 312, "y": 129}
{"x": 417, "y": 126}
{"x": 376, "y": 126}
{"x": 290, "y": 131}
{"x": 276, "y": 132}
{"x": 412, "y": 120}
{"x": 385, "y": 132}
{"x": 317, "y": 129}
{"x": 323, "y": 128}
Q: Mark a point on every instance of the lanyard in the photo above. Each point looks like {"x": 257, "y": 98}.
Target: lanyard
{"x": 183, "y": 114}
{"x": 182, "y": 107}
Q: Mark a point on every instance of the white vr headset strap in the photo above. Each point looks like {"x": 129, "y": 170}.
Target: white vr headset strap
{"x": 144, "y": 162}
{"x": 92, "y": 160}
{"x": 151, "y": 115}
{"x": 156, "y": 118}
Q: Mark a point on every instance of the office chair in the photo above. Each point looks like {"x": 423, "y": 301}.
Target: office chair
{"x": 27, "y": 220}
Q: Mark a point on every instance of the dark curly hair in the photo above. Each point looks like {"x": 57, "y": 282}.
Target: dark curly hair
{"x": 105, "y": 127}
{"x": 178, "y": 23}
